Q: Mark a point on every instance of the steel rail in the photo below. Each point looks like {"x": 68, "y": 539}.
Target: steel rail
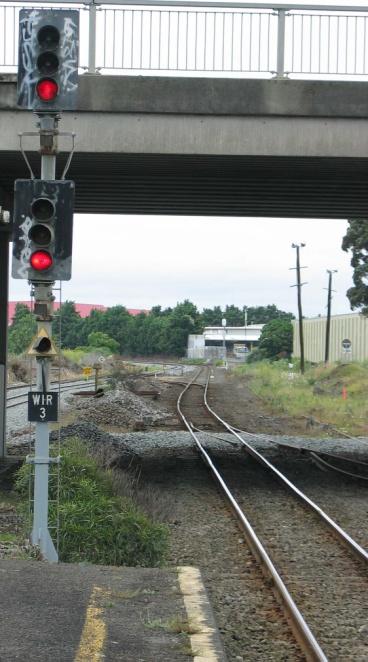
{"x": 300, "y": 628}
{"x": 64, "y": 385}
{"x": 322, "y": 464}
{"x": 316, "y": 457}
{"x": 55, "y": 381}
{"x": 302, "y": 448}
{"x": 24, "y": 402}
{"x": 359, "y": 551}
{"x": 213, "y": 435}
{"x": 344, "y": 434}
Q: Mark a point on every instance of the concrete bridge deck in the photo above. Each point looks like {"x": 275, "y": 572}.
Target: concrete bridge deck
{"x": 156, "y": 145}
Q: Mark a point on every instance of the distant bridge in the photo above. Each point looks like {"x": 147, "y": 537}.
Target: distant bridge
{"x": 216, "y": 340}
{"x": 233, "y": 334}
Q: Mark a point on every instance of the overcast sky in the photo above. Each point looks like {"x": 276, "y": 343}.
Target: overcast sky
{"x": 211, "y": 261}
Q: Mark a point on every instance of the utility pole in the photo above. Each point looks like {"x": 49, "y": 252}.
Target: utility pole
{"x": 299, "y": 285}
{"x": 223, "y": 323}
{"x": 328, "y": 323}
{"x": 43, "y": 219}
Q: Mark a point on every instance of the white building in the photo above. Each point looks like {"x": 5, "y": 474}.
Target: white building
{"x": 215, "y": 340}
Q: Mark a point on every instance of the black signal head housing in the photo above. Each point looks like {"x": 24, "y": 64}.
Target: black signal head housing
{"x": 48, "y": 48}
{"x": 43, "y": 223}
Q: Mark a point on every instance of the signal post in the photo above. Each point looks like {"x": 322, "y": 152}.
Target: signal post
{"x": 5, "y": 231}
{"x": 43, "y": 218}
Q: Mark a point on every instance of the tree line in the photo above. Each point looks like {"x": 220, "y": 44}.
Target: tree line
{"x": 356, "y": 241}
{"x": 162, "y": 331}
{"x": 165, "y": 331}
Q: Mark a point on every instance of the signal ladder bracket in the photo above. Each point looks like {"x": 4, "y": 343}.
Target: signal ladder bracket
{"x": 47, "y": 132}
{"x": 33, "y": 459}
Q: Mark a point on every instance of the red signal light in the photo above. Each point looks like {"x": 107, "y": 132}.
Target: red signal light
{"x": 47, "y": 89}
{"x": 41, "y": 260}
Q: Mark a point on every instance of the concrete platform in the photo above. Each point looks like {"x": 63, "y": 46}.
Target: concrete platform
{"x": 83, "y": 613}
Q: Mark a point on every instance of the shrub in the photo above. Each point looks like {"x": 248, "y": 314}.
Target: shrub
{"x": 255, "y": 355}
{"x": 94, "y": 524}
{"x": 19, "y": 368}
{"x": 97, "y": 339}
{"x": 76, "y": 356}
{"x": 276, "y": 341}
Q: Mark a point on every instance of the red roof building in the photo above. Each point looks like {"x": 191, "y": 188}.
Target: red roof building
{"x": 84, "y": 309}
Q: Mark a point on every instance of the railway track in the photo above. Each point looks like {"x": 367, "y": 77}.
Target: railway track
{"x": 21, "y": 397}
{"x": 348, "y": 466}
{"x": 322, "y": 566}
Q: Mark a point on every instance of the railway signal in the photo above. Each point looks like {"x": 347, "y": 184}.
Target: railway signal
{"x": 48, "y": 59}
{"x": 43, "y": 215}
{"x": 43, "y": 230}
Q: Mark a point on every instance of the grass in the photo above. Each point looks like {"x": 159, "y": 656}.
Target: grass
{"x": 126, "y": 595}
{"x": 317, "y": 394}
{"x": 14, "y": 541}
{"x": 182, "y": 625}
{"x": 186, "y": 649}
{"x": 75, "y": 356}
{"x": 179, "y": 625}
{"x": 193, "y": 361}
{"x": 155, "y": 623}
{"x": 8, "y": 537}
{"x": 95, "y": 524}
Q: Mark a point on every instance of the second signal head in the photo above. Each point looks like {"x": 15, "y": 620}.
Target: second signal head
{"x": 43, "y": 229}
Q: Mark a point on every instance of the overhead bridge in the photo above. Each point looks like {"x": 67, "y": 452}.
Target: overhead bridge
{"x": 205, "y": 146}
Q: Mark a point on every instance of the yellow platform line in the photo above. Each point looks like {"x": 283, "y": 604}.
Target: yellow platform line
{"x": 93, "y": 635}
{"x": 204, "y": 641}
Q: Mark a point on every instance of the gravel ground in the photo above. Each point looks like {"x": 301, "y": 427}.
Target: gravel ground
{"x": 247, "y": 634}
{"x": 181, "y": 441}
{"x": 120, "y": 408}
{"x": 205, "y": 534}
{"x": 327, "y": 583}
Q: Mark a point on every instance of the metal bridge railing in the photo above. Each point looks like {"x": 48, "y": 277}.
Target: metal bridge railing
{"x": 208, "y": 38}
